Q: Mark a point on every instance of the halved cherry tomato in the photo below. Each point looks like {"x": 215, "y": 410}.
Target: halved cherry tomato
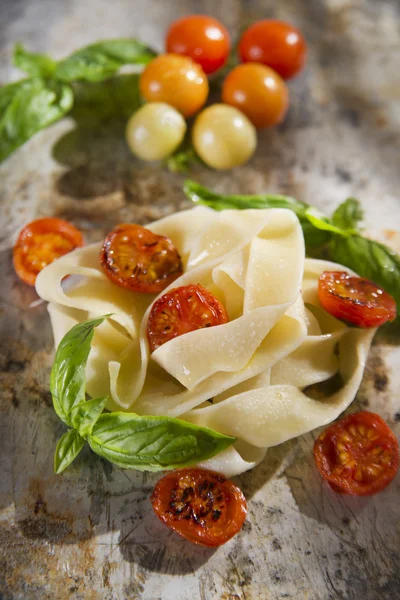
{"x": 259, "y": 92}
{"x": 139, "y": 260}
{"x": 176, "y": 80}
{"x": 202, "y": 38}
{"x": 200, "y": 505}
{"x": 354, "y": 299}
{"x": 276, "y": 44}
{"x": 358, "y": 455}
{"x": 40, "y": 243}
{"x": 181, "y": 310}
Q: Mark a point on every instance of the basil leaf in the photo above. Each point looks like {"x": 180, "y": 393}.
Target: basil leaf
{"x": 28, "y": 106}
{"x": 321, "y": 222}
{"x": 153, "y": 443}
{"x": 348, "y": 215}
{"x": 314, "y": 237}
{"x": 101, "y": 60}
{"x": 115, "y": 98}
{"x": 84, "y": 415}
{"x": 201, "y": 195}
{"x": 369, "y": 259}
{"x": 67, "y": 450}
{"x": 67, "y": 379}
{"x": 34, "y": 64}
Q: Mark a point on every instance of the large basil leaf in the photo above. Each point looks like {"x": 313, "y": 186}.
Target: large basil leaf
{"x": 101, "y": 60}
{"x": 67, "y": 379}
{"x": 67, "y": 449}
{"x": 369, "y": 259}
{"x": 28, "y": 106}
{"x": 37, "y": 65}
{"x": 153, "y": 443}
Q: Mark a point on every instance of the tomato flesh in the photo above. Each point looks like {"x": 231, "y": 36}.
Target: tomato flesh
{"x": 182, "y": 310}
{"x": 40, "y": 243}
{"x": 204, "y": 39}
{"x": 354, "y": 299}
{"x": 259, "y": 92}
{"x": 176, "y": 80}
{"x": 359, "y": 455}
{"x": 201, "y": 506}
{"x": 139, "y": 260}
{"x": 276, "y": 44}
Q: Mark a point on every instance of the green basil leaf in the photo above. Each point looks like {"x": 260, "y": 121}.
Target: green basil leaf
{"x": 37, "y": 65}
{"x": 67, "y": 450}
{"x": 348, "y": 215}
{"x": 153, "y": 443}
{"x": 369, "y": 259}
{"x": 101, "y": 60}
{"x": 314, "y": 236}
{"x": 321, "y": 222}
{"x": 201, "y": 195}
{"x": 115, "y": 98}
{"x": 28, "y": 106}
{"x": 84, "y": 415}
{"x": 67, "y": 379}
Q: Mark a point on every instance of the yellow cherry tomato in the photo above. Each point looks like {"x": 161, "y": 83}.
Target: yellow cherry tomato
{"x": 176, "y": 80}
{"x": 155, "y": 131}
{"x": 223, "y": 137}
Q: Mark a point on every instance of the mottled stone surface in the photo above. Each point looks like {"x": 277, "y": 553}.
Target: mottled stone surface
{"x": 91, "y": 534}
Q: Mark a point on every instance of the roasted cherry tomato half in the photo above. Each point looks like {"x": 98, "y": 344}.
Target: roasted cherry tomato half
{"x": 275, "y": 44}
{"x": 139, "y": 260}
{"x": 177, "y": 81}
{"x": 200, "y": 505}
{"x": 259, "y": 92}
{"x": 202, "y": 38}
{"x": 354, "y": 299}
{"x": 358, "y": 455}
{"x": 181, "y": 310}
{"x": 40, "y": 243}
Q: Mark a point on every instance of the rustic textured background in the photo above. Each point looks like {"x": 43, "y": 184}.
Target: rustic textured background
{"x": 90, "y": 533}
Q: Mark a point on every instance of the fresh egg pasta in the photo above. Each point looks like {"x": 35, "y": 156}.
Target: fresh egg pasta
{"x": 255, "y": 377}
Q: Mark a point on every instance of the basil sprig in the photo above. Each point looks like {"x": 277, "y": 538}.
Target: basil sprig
{"x": 128, "y": 440}
{"x": 337, "y": 238}
{"x": 32, "y": 104}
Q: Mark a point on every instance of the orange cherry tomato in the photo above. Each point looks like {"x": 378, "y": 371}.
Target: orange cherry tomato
{"x": 200, "y": 505}
{"x": 40, "y": 243}
{"x": 139, "y": 260}
{"x": 259, "y": 92}
{"x": 176, "y": 80}
{"x": 354, "y": 299}
{"x": 202, "y": 38}
{"x": 275, "y": 44}
{"x": 358, "y": 455}
{"x": 181, "y": 310}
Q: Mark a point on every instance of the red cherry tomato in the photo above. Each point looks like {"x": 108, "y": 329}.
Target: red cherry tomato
{"x": 139, "y": 260}
{"x": 177, "y": 81}
{"x": 202, "y": 38}
{"x": 181, "y": 310}
{"x": 201, "y": 506}
{"x": 358, "y": 455}
{"x": 275, "y": 44}
{"x": 40, "y": 243}
{"x": 354, "y": 299}
{"x": 259, "y": 92}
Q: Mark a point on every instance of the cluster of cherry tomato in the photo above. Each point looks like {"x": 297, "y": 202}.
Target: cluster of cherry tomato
{"x": 254, "y": 94}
